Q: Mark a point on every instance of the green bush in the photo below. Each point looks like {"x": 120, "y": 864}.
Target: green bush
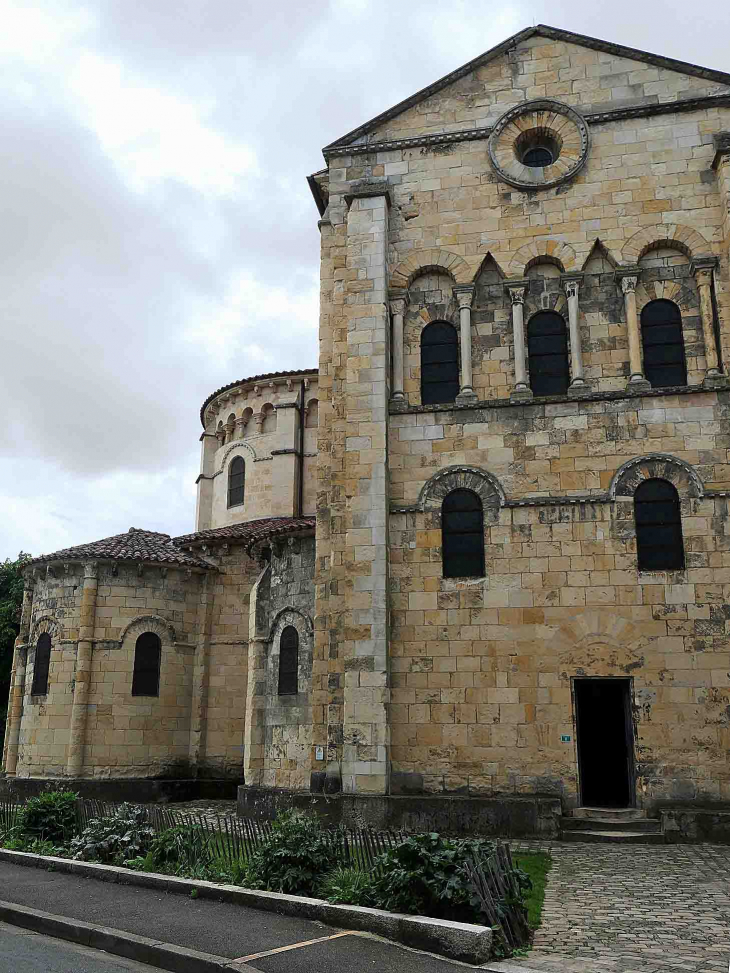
{"x": 425, "y": 875}
{"x": 292, "y": 858}
{"x": 50, "y": 817}
{"x": 183, "y": 850}
{"x": 115, "y": 839}
{"x": 347, "y": 886}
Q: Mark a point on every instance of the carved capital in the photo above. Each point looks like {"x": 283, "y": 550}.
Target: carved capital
{"x": 398, "y": 306}
{"x": 702, "y": 268}
{"x": 517, "y": 294}
{"x": 464, "y": 294}
{"x": 571, "y": 288}
{"x": 628, "y": 284}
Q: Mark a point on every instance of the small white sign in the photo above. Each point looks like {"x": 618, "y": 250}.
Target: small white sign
{"x": 319, "y": 753}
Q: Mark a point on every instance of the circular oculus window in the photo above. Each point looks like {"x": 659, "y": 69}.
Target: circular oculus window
{"x": 539, "y": 144}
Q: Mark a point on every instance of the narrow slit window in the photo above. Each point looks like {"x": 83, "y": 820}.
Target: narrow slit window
{"x": 658, "y": 516}
{"x": 547, "y": 350}
{"x": 439, "y": 363}
{"x": 236, "y": 481}
{"x": 147, "y": 657}
{"x": 665, "y": 362}
{"x": 462, "y": 535}
{"x": 289, "y": 662}
{"x": 41, "y": 666}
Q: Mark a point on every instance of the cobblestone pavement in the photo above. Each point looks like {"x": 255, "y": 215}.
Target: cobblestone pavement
{"x": 635, "y": 909}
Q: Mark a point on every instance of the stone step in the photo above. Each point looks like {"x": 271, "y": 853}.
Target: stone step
{"x": 604, "y": 813}
{"x": 644, "y": 825}
{"x": 615, "y": 837}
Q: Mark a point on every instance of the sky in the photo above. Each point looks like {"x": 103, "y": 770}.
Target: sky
{"x": 157, "y": 235}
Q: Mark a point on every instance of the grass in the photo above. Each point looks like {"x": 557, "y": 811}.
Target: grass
{"x": 537, "y": 866}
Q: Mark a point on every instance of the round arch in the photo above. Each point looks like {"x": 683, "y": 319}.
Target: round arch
{"x": 553, "y": 251}
{"x": 486, "y": 486}
{"x": 660, "y": 466}
{"x": 683, "y": 238}
{"x": 422, "y": 261}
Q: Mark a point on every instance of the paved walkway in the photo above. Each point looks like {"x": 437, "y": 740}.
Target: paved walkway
{"x": 635, "y": 909}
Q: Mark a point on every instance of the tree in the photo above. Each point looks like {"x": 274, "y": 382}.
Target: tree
{"x": 11, "y": 602}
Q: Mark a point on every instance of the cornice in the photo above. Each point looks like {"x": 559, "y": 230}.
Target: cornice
{"x": 594, "y": 118}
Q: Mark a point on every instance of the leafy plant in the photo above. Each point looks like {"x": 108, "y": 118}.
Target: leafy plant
{"x": 292, "y": 858}
{"x": 50, "y": 817}
{"x": 425, "y": 874}
{"x": 115, "y": 839}
{"x": 183, "y": 850}
{"x": 348, "y": 886}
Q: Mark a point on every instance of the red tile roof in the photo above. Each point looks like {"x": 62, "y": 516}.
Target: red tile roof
{"x": 248, "y": 533}
{"x": 135, "y": 545}
{"x": 253, "y": 378}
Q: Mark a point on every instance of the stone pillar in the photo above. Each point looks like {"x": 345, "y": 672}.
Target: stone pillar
{"x": 521, "y": 391}
{"x": 17, "y": 685}
{"x": 578, "y": 384}
{"x": 204, "y": 483}
{"x": 240, "y": 428}
{"x": 364, "y": 484}
{"x": 702, "y": 270}
{"x": 398, "y": 308}
{"x": 253, "y": 733}
{"x": 259, "y": 420}
{"x": 284, "y": 483}
{"x": 721, "y": 165}
{"x": 636, "y": 382}
{"x": 82, "y": 676}
{"x": 464, "y": 294}
{"x": 199, "y": 707}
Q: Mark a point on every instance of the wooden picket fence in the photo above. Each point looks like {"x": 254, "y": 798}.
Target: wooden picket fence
{"x": 232, "y": 840}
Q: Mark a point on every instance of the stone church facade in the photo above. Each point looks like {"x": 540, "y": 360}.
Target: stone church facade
{"x": 483, "y": 552}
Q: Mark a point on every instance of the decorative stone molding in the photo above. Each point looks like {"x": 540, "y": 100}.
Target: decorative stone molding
{"x": 45, "y": 624}
{"x": 517, "y": 290}
{"x": 238, "y": 444}
{"x": 484, "y": 484}
{"x": 660, "y": 466}
{"x": 290, "y": 616}
{"x": 682, "y": 238}
{"x": 421, "y": 261}
{"x": 150, "y": 623}
{"x": 549, "y": 121}
{"x": 562, "y": 254}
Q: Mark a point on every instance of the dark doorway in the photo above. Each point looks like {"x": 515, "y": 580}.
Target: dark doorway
{"x": 605, "y": 742}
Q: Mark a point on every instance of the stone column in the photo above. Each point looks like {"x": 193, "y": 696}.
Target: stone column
{"x": 464, "y": 294}
{"x": 721, "y": 165}
{"x": 702, "y": 270}
{"x": 204, "y": 483}
{"x": 17, "y": 685}
{"x": 285, "y": 461}
{"x": 82, "y": 676}
{"x": 636, "y": 382}
{"x": 201, "y": 668}
{"x": 521, "y": 391}
{"x": 240, "y": 428}
{"x": 398, "y": 308}
{"x": 364, "y": 486}
{"x": 578, "y": 384}
{"x": 253, "y": 733}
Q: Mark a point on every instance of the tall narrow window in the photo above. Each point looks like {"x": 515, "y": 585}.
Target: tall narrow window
{"x": 147, "y": 654}
{"x": 236, "y": 481}
{"x": 439, "y": 363}
{"x": 658, "y": 516}
{"x": 41, "y": 666}
{"x": 547, "y": 350}
{"x": 289, "y": 662}
{"x": 462, "y": 535}
{"x": 665, "y": 362}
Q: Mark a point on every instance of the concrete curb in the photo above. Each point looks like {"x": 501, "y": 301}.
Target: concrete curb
{"x": 164, "y": 956}
{"x": 455, "y": 940}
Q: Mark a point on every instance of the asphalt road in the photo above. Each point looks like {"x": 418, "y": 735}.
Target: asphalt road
{"x": 27, "y": 952}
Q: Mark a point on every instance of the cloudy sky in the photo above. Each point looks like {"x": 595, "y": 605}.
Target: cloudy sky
{"x": 157, "y": 236}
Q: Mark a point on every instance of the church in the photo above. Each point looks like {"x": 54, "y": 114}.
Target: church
{"x": 475, "y": 567}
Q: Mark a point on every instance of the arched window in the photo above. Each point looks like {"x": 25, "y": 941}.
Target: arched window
{"x": 41, "y": 666}
{"x": 462, "y": 535}
{"x": 658, "y": 516}
{"x": 661, "y": 337}
{"x": 439, "y": 363}
{"x": 236, "y": 481}
{"x": 147, "y": 654}
{"x": 547, "y": 351}
{"x": 289, "y": 662}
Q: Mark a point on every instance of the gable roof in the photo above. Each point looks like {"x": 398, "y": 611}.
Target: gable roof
{"x": 135, "y": 545}
{"x": 541, "y": 30}
{"x": 250, "y": 532}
